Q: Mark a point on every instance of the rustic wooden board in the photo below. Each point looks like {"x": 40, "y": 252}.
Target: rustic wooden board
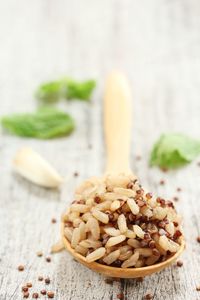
{"x": 156, "y": 43}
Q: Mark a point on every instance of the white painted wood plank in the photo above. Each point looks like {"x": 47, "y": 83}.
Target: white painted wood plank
{"x": 157, "y": 44}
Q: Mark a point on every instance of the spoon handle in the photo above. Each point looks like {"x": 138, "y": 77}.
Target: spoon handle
{"x": 117, "y": 123}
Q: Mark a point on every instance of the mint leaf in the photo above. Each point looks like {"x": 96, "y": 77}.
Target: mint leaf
{"x": 53, "y": 91}
{"x": 79, "y": 90}
{"x": 174, "y": 150}
{"x": 50, "y": 92}
{"x": 46, "y": 123}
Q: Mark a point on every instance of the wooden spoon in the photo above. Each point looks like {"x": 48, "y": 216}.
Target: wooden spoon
{"x": 117, "y": 123}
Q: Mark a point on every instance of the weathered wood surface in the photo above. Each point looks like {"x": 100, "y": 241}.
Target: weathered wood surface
{"x": 156, "y": 43}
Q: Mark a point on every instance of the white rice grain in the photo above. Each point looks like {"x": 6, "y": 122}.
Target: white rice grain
{"x": 90, "y": 244}
{"x": 68, "y": 233}
{"x": 133, "y": 243}
{"x": 167, "y": 244}
{"x": 138, "y": 231}
{"x": 124, "y": 192}
{"x": 110, "y": 258}
{"x": 82, "y": 228}
{"x": 126, "y": 255}
{"x": 77, "y": 222}
{"x": 76, "y": 236}
{"x": 81, "y": 250}
{"x": 95, "y": 255}
{"x": 130, "y": 234}
{"x": 115, "y": 240}
{"x": 170, "y": 228}
{"x": 80, "y": 208}
{"x": 102, "y": 217}
{"x": 160, "y": 212}
{"x": 145, "y": 252}
{"x": 133, "y": 206}
{"x": 103, "y": 205}
{"x": 112, "y": 231}
{"x": 131, "y": 261}
{"x": 115, "y": 205}
{"x": 94, "y": 228}
{"x": 121, "y": 222}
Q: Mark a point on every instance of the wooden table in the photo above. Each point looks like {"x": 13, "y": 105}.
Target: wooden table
{"x": 157, "y": 44}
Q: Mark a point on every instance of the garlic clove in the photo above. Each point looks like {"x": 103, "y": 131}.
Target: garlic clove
{"x": 33, "y": 167}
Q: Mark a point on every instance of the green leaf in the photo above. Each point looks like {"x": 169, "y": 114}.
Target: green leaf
{"x": 174, "y": 150}
{"x": 79, "y": 90}
{"x": 46, "y": 123}
{"x": 52, "y": 92}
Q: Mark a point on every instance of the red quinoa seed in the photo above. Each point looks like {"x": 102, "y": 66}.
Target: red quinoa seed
{"x": 20, "y": 268}
{"x": 138, "y": 157}
{"x": 140, "y": 279}
{"x": 35, "y": 295}
{"x": 40, "y": 278}
{"x": 50, "y": 294}
{"x": 26, "y": 295}
{"x": 149, "y": 195}
{"x": 24, "y": 289}
{"x": 120, "y": 296}
{"x": 39, "y": 253}
{"x": 198, "y": 288}
{"x": 148, "y": 297}
{"x": 179, "y": 263}
{"x": 43, "y": 292}
{"x": 198, "y": 239}
{"x": 47, "y": 280}
{"x": 109, "y": 280}
{"x": 53, "y": 220}
{"x": 29, "y": 285}
{"x": 162, "y": 182}
{"x": 175, "y": 198}
{"x": 48, "y": 259}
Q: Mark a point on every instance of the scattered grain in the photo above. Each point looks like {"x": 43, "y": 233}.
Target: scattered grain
{"x": 20, "y": 268}
{"x": 47, "y": 280}
{"x": 48, "y": 259}
{"x": 50, "y": 294}
{"x": 179, "y": 263}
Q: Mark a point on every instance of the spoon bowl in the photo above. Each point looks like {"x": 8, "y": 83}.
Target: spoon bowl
{"x": 117, "y": 126}
{"x": 120, "y": 272}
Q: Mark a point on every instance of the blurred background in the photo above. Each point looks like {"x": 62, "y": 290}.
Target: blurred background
{"x": 157, "y": 45}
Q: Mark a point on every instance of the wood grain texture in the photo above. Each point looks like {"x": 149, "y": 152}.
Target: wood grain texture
{"x": 156, "y": 43}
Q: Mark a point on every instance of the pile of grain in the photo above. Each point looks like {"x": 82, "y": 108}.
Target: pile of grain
{"x": 114, "y": 221}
